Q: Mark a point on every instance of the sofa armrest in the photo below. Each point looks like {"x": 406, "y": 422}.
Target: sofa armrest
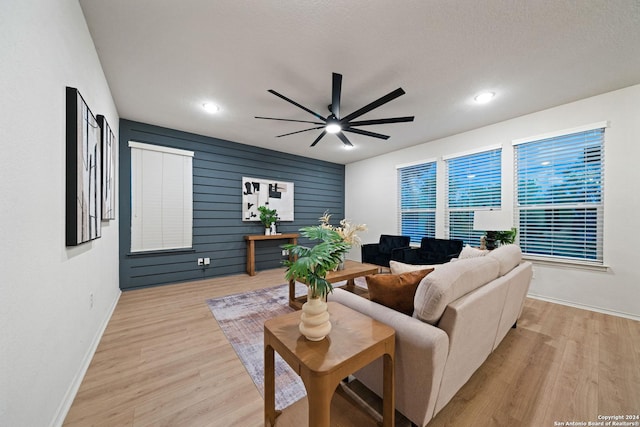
{"x": 369, "y": 250}
{"x": 398, "y": 254}
{"x": 407, "y": 255}
{"x": 421, "y": 354}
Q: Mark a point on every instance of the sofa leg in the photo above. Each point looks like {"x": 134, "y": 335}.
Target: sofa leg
{"x": 515, "y": 325}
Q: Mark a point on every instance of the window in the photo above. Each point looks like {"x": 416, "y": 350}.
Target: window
{"x": 161, "y": 197}
{"x": 473, "y": 183}
{"x": 559, "y": 187}
{"x": 417, "y": 193}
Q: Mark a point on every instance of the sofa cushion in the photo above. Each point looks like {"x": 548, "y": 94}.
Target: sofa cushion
{"x": 395, "y": 291}
{"x": 449, "y": 282}
{"x": 469, "y": 252}
{"x": 398, "y": 267}
{"x": 508, "y": 256}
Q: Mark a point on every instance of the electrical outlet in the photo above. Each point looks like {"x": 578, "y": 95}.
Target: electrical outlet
{"x": 285, "y": 252}
{"x": 90, "y": 300}
{"x": 201, "y": 261}
{"x": 207, "y": 261}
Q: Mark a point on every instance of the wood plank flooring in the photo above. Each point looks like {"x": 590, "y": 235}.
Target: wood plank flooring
{"x": 163, "y": 361}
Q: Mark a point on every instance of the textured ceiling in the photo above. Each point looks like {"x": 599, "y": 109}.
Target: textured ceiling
{"x": 164, "y": 58}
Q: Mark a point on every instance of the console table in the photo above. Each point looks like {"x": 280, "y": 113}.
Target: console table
{"x": 251, "y": 247}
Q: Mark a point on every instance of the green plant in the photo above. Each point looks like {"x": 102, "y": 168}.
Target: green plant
{"x": 267, "y": 216}
{"x": 311, "y": 264}
{"x": 506, "y": 237}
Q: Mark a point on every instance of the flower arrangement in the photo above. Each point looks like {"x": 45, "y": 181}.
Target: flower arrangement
{"x": 311, "y": 265}
{"x": 346, "y": 230}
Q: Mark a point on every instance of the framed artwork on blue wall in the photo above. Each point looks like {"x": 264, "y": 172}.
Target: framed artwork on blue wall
{"x": 83, "y": 197}
{"x": 258, "y": 192}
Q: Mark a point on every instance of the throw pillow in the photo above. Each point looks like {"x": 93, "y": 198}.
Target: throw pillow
{"x": 469, "y": 252}
{"x": 395, "y": 291}
{"x": 400, "y": 267}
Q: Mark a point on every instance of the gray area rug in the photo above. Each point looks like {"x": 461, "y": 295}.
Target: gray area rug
{"x": 241, "y": 317}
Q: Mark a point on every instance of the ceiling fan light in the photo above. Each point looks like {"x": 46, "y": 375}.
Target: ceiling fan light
{"x": 333, "y": 128}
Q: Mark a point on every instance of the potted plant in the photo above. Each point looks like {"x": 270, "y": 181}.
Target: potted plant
{"x": 310, "y": 265}
{"x": 506, "y": 237}
{"x": 267, "y": 217}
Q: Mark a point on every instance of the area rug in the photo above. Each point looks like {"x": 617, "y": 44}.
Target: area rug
{"x": 241, "y": 317}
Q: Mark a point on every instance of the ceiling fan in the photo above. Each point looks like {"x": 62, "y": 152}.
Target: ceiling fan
{"x": 336, "y": 124}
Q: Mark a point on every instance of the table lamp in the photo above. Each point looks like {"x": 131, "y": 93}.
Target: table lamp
{"x": 490, "y": 222}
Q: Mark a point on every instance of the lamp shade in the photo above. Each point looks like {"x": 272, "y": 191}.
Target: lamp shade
{"x": 492, "y": 221}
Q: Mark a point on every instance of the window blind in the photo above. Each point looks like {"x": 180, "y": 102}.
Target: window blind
{"x": 161, "y": 198}
{"x": 473, "y": 183}
{"x": 417, "y": 200}
{"x": 559, "y": 203}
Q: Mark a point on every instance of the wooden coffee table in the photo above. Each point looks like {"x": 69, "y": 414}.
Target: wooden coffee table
{"x": 352, "y": 269}
{"x": 355, "y": 341}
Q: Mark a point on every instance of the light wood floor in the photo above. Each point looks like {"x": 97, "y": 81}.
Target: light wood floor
{"x": 163, "y": 361}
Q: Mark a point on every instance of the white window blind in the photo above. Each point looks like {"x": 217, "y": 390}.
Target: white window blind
{"x": 417, "y": 200}
{"x": 161, "y": 197}
{"x": 559, "y": 204}
{"x": 473, "y": 183}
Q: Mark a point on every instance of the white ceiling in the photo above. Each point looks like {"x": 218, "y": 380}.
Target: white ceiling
{"x": 164, "y": 58}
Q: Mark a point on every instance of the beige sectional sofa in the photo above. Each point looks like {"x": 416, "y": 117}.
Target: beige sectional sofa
{"x": 462, "y": 311}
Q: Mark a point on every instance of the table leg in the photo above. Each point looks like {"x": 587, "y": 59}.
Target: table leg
{"x": 270, "y": 413}
{"x": 319, "y": 394}
{"x": 388, "y": 394}
{"x": 351, "y": 284}
{"x": 251, "y": 258}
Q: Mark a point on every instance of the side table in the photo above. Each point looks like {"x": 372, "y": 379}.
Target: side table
{"x": 355, "y": 341}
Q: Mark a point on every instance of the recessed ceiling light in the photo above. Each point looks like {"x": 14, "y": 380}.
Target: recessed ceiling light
{"x": 210, "y": 107}
{"x": 484, "y": 97}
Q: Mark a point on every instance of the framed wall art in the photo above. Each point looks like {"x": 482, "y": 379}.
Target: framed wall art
{"x": 108, "y": 149}
{"x": 276, "y": 195}
{"x": 83, "y": 193}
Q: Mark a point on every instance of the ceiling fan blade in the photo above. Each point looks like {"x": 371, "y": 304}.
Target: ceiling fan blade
{"x": 289, "y": 120}
{"x": 382, "y": 121}
{"x": 375, "y": 104}
{"x": 297, "y": 105}
{"x": 299, "y": 131}
{"x": 344, "y": 139}
{"x": 366, "y": 132}
{"x": 324, "y": 132}
{"x": 336, "y": 91}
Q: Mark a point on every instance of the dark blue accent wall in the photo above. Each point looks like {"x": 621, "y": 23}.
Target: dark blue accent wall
{"x": 218, "y": 229}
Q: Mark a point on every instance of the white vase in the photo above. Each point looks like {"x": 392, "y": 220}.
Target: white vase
{"x": 314, "y": 320}
{"x": 273, "y": 229}
{"x": 267, "y": 231}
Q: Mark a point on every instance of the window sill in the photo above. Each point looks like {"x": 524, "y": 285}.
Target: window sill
{"x": 160, "y": 252}
{"x": 565, "y": 263}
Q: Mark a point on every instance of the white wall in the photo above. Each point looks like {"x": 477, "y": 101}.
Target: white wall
{"x": 371, "y": 195}
{"x": 47, "y": 329}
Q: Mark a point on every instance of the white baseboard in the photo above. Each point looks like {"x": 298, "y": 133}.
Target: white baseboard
{"x": 70, "y": 395}
{"x": 585, "y": 307}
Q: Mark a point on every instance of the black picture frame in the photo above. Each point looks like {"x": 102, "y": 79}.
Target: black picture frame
{"x": 108, "y": 149}
{"x": 83, "y": 172}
